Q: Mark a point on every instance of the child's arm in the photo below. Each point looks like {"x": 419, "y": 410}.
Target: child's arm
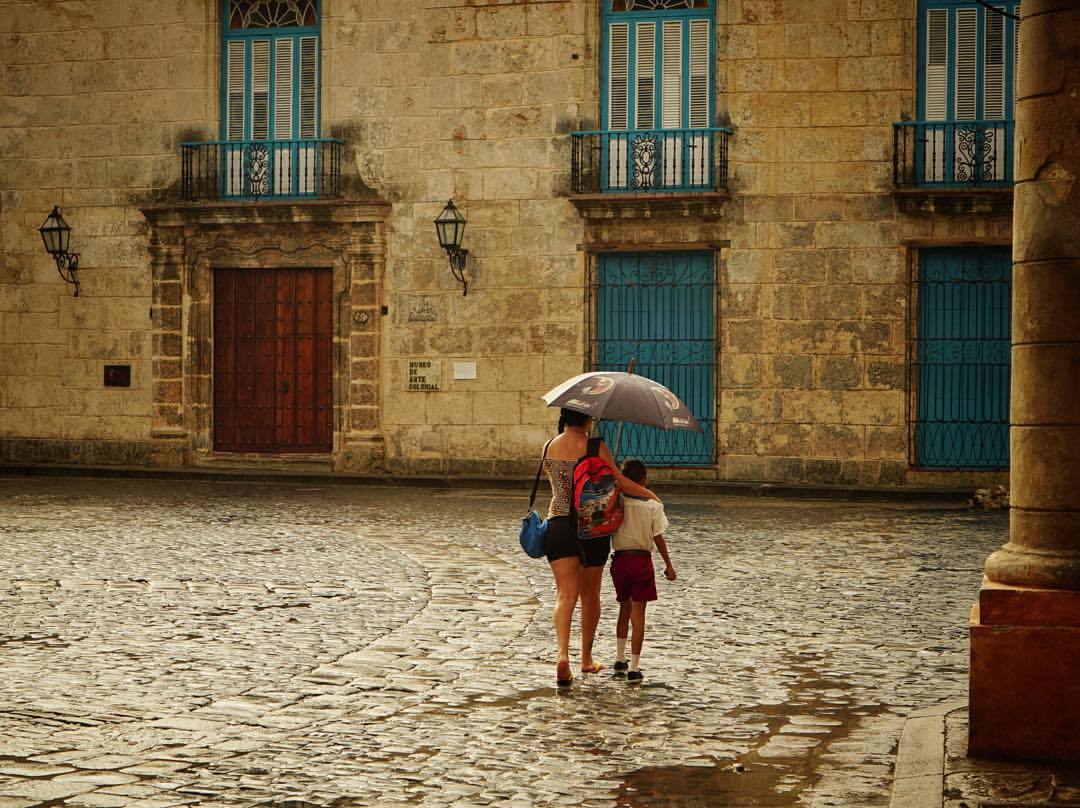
{"x": 661, "y": 545}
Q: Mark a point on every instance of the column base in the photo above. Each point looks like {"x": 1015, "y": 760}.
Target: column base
{"x": 1025, "y": 689}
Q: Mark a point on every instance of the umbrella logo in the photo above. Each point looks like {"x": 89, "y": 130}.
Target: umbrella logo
{"x": 599, "y": 386}
{"x": 667, "y": 397}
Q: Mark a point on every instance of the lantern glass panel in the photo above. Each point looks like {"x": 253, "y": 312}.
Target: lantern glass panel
{"x": 450, "y": 226}
{"x": 56, "y": 233}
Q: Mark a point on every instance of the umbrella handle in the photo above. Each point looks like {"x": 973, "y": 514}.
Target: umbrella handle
{"x": 618, "y": 429}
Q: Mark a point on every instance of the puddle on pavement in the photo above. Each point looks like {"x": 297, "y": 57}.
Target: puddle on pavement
{"x": 782, "y": 760}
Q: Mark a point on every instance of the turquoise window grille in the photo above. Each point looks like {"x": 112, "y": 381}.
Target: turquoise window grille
{"x": 658, "y": 309}
{"x": 961, "y": 357}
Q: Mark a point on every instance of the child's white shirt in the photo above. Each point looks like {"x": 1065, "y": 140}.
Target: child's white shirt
{"x": 642, "y": 519}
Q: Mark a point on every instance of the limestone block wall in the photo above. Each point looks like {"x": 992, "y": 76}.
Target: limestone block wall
{"x": 94, "y": 99}
{"x": 474, "y": 103}
{"x": 815, "y": 285}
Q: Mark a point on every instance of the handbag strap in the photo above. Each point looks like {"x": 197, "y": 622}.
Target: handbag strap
{"x": 536, "y": 482}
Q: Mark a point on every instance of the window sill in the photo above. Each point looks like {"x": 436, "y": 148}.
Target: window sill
{"x": 955, "y": 201}
{"x": 702, "y": 205}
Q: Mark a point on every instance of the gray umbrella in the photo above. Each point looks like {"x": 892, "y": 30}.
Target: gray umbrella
{"x": 618, "y": 396}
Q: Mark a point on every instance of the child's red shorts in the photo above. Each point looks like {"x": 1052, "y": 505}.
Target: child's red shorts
{"x": 633, "y": 576}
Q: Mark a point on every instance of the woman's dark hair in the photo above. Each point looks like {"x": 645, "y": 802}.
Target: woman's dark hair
{"x": 571, "y": 418}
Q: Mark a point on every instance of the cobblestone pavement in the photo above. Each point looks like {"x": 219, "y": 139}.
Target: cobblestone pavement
{"x": 224, "y": 644}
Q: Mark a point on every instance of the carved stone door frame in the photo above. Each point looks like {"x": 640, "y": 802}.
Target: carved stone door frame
{"x": 187, "y": 242}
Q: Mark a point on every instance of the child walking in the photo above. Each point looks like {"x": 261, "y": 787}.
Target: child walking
{"x": 643, "y": 526}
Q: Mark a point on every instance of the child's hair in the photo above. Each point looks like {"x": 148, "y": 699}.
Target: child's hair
{"x": 635, "y": 470}
{"x": 571, "y": 418}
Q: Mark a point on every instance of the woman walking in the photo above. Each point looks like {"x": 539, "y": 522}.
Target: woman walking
{"x": 578, "y": 567}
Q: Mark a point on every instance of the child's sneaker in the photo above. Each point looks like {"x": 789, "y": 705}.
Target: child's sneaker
{"x": 634, "y": 676}
{"x": 620, "y": 667}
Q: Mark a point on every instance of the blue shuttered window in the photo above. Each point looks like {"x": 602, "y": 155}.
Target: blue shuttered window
{"x": 967, "y": 69}
{"x": 962, "y": 358}
{"x": 656, "y": 95}
{"x": 657, "y": 309}
{"x": 270, "y": 98}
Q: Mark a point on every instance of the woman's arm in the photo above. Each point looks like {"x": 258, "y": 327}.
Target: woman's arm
{"x": 627, "y": 485}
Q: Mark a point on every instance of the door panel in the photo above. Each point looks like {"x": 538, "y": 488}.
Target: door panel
{"x": 272, "y": 348}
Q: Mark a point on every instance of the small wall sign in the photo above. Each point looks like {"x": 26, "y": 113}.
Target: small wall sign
{"x": 423, "y": 375}
{"x": 464, "y": 370}
{"x": 118, "y": 375}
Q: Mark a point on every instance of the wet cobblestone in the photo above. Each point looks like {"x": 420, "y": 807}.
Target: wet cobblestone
{"x": 226, "y": 644}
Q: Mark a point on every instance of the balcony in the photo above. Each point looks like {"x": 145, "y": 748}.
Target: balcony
{"x": 650, "y": 161}
{"x": 261, "y": 169}
{"x": 961, "y": 155}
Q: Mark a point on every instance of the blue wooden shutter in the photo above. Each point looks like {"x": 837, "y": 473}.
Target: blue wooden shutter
{"x": 235, "y": 67}
{"x": 309, "y": 87}
{"x": 699, "y": 104}
{"x": 283, "y": 89}
{"x": 645, "y": 77}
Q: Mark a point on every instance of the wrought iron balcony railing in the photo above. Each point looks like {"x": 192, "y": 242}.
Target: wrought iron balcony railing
{"x": 258, "y": 169}
{"x": 953, "y": 154}
{"x": 650, "y": 160}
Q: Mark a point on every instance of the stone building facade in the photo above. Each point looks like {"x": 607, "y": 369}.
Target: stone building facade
{"x": 778, "y": 158}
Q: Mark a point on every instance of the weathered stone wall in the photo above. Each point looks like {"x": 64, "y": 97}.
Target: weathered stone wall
{"x": 476, "y": 102}
{"x": 94, "y": 98}
{"x": 813, "y": 351}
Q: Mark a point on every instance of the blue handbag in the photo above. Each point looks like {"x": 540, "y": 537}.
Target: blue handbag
{"x": 533, "y": 536}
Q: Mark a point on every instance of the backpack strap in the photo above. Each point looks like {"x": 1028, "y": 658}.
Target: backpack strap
{"x": 593, "y": 448}
{"x": 539, "y": 469}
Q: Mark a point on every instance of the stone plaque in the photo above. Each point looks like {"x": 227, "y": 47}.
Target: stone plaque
{"x": 421, "y": 310}
{"x": 464, "y": 370}
{"x": 423, "y": 375}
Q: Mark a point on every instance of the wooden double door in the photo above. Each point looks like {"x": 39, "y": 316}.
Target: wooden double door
{"x": 273, "y": 367}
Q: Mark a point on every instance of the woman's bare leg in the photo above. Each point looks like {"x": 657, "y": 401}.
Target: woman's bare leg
{"x": 567, "y": 572}
{"x": 591, "y": 577}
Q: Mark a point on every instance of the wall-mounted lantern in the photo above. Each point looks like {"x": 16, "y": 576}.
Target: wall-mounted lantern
{"x": 56, "y": 233}
{"x": 450, "y": 226}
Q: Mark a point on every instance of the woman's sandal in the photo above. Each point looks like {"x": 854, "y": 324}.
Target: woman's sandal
{"x": 596, "y": 667}
{"x": 563, "y": 676}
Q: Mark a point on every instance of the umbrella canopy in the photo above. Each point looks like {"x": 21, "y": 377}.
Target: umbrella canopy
{"x": 617, "y": 396}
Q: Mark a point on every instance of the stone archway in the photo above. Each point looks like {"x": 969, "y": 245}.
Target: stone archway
{"x": 188, "y": 242}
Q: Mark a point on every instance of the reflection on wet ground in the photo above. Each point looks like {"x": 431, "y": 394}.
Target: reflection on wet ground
{"x": 782, "y": 760}
{"x": 245, "y": 644}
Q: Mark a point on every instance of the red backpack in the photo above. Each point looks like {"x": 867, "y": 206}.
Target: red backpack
{"x": 598, "y": 506}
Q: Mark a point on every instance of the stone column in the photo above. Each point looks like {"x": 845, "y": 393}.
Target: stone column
{"x": 1025, "y": 631}
{"x": 167, "y": 431}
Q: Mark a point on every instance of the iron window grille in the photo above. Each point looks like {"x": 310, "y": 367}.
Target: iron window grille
{"x": 665, "y": 344}
{"x": 958, "y": 350}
